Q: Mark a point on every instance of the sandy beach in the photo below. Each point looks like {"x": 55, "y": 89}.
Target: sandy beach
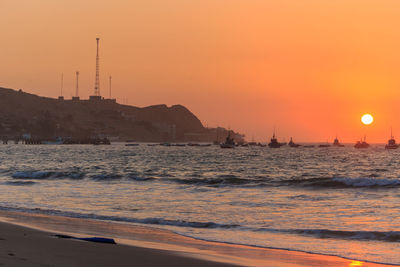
{"x": 36, "y": 245}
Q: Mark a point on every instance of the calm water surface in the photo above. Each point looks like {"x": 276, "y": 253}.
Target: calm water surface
{"x": 337, "y": 201}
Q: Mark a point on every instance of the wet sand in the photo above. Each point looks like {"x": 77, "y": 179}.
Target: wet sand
{"x": 28, "y": 240}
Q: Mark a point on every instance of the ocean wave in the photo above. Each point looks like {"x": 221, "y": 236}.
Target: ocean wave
{"x": 220, "y": 181}
{"x": 140, "y": 178}
{"x": 20, "y": 183}
{"x": 152, "y": 221}
{"x": 390, "y": 236}
{"x": 103, "y": 177}
{"x": 42, "y": 175}
{"x": 343, "y": 182}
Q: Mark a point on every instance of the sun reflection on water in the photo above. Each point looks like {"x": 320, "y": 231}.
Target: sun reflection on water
{"x": 355, "y": 263}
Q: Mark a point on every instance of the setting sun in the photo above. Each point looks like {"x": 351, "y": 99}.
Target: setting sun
{"x": 367, "y": 119}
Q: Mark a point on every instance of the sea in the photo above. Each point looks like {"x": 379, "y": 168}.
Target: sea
{"x": 335, "y": 201}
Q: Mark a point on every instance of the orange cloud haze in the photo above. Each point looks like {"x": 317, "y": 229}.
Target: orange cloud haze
{"x": 310, "y": 67}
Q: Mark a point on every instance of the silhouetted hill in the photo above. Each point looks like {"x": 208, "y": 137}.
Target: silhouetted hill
{"x": 45, "y": 117}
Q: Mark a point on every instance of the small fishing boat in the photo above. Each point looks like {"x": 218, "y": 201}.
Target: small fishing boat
{"x": 293, "y": 144}
{"x": 362, "y": 144}
{"x": 229, "y": 142}
{"x": 391, "y": 142}
{"x": 336, "y": 143}
{"x": 274, "y": 142}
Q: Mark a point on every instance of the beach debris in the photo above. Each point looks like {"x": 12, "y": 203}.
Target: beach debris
{"x": 89, "y": 239}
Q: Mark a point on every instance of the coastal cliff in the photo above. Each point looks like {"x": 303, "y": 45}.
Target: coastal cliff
{"x": 24, "y": 113}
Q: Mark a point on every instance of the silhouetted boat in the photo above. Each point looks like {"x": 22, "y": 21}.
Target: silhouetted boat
{"x": 293, "y": 144}
{"x": 361, "y": 144}
{"x": 391, "y": 142}
{"x": 337, "y": 143}
{"x": 229, "y": 142}
{"x": 274, "y": 142}
{"x": 131, "y": 144}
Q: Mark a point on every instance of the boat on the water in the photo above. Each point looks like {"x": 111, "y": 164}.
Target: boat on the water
{"x": 362, "y": 144}
{"x": 391, "y": 142}
{"x": 336, "y": 143}
{"x": 229, "y": 142}
{"x": 274, "y": 142}
{"x": 293, "y": 144}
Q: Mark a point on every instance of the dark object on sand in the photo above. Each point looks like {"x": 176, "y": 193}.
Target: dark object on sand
{"x": 89, "y": 239}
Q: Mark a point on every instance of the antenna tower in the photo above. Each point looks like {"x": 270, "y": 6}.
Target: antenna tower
{"x": 97, "y": 81}
{"x": 77, "y": 85}
{"x": 62, "y": 84}
{"x": 110, "y": 86}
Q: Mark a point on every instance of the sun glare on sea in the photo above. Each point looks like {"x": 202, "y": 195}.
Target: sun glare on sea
{"x": 356, "y": 264}
{"x": 367, "y": 119}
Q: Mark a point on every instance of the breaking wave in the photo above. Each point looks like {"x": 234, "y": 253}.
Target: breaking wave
{"x": 47, "y": 175}
{"x": 220, "y": 180}
{"x": 152, "y": 221}
{"x": 20, "y": 183}
{"x": 391, "y": 236}
{"x": 342, "y": 182}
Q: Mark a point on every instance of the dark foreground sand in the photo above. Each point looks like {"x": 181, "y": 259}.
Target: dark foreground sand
{"x": 23, "y": 246}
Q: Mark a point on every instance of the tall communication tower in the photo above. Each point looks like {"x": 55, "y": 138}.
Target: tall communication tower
{"x": 77, "y": 84}
{"x": 110, "y": 86}
{"x": 62, "y": 84}
{"x": 97, "y": 81}
{"x": 61, "y": 97}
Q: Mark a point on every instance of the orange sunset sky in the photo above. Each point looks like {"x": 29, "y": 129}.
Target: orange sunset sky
{"x": 309, "y": 67}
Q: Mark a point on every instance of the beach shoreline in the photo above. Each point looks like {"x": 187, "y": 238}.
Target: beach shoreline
{"x": 24, "y": 236}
